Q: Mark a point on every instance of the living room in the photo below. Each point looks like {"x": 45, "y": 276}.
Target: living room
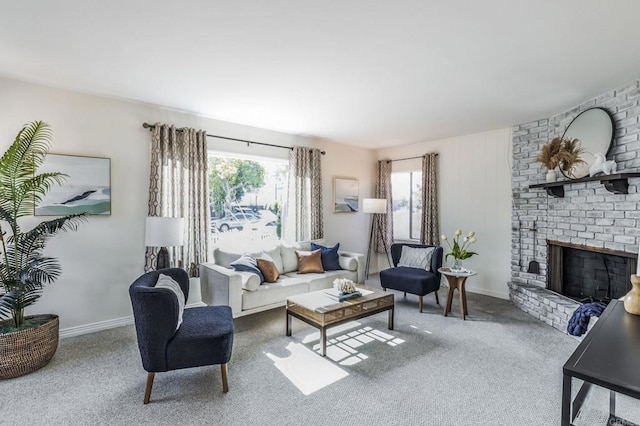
{"x": 92, "y": 115}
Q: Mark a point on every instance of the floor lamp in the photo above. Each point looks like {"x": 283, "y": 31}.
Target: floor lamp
{"x": 164, "y": 232}
{"x": 375, "y": 206}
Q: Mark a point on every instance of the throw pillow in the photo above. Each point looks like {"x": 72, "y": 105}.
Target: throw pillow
{"x": 268, "y": 268}
{"x": 416, "y": 257}
{"x": 248, "y": 264}
{"x": 329, "y": 255}
{"x": 165, "y": 281}
{"x": 309, "y": 262}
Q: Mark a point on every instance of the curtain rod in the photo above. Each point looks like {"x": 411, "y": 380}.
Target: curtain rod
{"x": 408, "y": 158}
{"x": 151, "y": 126}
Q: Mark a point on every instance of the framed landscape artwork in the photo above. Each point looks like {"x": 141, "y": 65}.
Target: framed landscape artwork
{"x": 345, "y": 195}
{"x": 87, "y": 188}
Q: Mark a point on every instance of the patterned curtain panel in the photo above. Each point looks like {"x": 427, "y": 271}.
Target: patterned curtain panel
{"x": 304, "y": 207}
{"x": 384, "y": 223}
{"x": 430, "y": 230}
{"x": 179, "y": 187}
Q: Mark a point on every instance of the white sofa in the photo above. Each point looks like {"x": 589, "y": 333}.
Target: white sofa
{"x": 221, "y": 285}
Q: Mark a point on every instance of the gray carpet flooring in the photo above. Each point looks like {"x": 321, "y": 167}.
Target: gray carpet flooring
{"x": 500, "y": 366}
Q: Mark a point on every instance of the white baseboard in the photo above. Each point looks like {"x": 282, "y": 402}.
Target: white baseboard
{"x": 96, "y": 326}
{"x": 485, "y": 292}
{"x": 105, "y": 325}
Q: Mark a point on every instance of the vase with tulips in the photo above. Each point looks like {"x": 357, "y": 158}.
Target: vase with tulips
{"x": 459, "y": 251}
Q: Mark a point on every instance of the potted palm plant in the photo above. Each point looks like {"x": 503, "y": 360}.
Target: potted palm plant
{"x": 26, "y": 342}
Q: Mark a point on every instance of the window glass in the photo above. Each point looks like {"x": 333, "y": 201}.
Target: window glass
{"x": 406, "y": 188}
{"x": 247, "y": 197}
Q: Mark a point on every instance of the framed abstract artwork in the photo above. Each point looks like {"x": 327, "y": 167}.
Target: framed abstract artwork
{"x": 86, "y": 189}
{"x": 345, "y": 195}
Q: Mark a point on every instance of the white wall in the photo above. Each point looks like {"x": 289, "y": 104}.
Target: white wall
{"x": 106, "y": 254}
{"x": 474, "y": 193}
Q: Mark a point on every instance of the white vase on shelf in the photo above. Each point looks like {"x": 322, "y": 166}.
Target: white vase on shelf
{"x": 551, "y": 176}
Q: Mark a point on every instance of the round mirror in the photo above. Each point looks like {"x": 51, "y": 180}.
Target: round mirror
{"x": 594, "y": 130}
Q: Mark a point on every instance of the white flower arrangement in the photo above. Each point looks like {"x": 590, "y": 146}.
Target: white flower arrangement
{"x": 344, "y": 285}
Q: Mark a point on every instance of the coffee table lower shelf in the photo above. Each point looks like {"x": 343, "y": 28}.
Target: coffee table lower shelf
{"x": 340, "y": 313}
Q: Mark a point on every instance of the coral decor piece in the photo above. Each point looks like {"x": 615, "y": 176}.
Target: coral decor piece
{"x": 344, "y": 285}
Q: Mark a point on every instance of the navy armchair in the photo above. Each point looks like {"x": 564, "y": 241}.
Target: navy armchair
{"x": 205, "y": 336}
{"x": 413, "y": 280}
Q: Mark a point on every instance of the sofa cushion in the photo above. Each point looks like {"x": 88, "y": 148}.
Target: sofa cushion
{"x": 275, "y": 256}
{"x": 330, "y": 257}
{"x": 414, "y": 257}
{"x": 165, "y": 281}
{"x": 309, "y": 262}
{"x": 250, "y": 281}
{"x": 268, "y": 269}
{"x": 269, "y": 294}
{"x": 289, "y": 258}
{"x": 349, "y": 263}
{"x": 248, "y": 264}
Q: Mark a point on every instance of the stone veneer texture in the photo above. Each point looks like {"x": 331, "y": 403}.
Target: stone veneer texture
{"x": 587, "y": 215}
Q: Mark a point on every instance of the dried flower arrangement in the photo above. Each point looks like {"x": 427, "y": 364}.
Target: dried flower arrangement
{"x": 560, "y": 152}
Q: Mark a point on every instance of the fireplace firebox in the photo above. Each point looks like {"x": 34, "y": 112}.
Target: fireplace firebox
{"x": 588, "y": 274}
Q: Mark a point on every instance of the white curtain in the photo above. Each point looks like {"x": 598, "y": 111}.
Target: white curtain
{"x": 179, "y": 187}
{"x": 304, "y": 207}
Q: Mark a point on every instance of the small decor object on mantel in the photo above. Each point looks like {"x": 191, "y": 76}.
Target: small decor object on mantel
{"x": 559, "y": 152}
{"x": 602, "y": 166}
{"x": 632, "y": 299}
{"x": 459, "y": 251}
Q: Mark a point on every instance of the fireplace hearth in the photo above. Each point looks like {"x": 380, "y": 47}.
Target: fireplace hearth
{"x": 588, "y": 274}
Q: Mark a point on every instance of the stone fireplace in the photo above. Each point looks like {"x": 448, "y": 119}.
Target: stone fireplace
{"x": 585, "y": 225}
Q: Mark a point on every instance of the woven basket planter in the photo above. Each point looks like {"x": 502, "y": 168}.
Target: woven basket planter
{"x": 23, "y": 352}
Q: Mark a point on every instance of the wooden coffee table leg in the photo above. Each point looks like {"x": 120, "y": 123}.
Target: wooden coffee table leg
{"x": 391, "y": 319}
{"x": 288, "y": 324}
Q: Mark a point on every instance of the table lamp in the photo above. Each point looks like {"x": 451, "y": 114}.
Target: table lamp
{"x": 164, "y": 232}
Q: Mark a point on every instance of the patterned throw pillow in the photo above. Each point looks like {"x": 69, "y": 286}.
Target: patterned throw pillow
{"x": 309, "y": 262}
{"x": 165, "y": 281}
{"x": 248, "y": 264}
{"x": 269, "y": 269}
{"x": 416, "y": 257}
{"x": 329, "y": 255}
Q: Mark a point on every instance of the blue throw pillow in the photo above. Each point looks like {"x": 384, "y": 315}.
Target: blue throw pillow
{"x": 329, "y": 256}
{"x": 249, "y": 264}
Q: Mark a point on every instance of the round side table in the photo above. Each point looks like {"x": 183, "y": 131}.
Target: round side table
{"x": 456, "y": 281}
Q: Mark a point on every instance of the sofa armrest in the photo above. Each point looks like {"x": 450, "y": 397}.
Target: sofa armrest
{"x": 359, "y": 257}
{"x": 221, "y": 286}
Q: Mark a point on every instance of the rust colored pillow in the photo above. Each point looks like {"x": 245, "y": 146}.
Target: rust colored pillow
{"x": 309, "y": 261}
{"x": 268, "y": 269}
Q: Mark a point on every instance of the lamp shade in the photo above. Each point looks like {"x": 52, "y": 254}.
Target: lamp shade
{"x": 164, "y": 231}
{"x": 374, "y": 205}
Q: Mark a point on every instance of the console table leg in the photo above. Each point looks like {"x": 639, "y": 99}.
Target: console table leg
{"x": 612, "y": 403}
{"x": 566, "y": 400}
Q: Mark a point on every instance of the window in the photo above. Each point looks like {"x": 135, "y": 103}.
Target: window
{"x": 406, "y": 188}
{"x": 246, "y": 200}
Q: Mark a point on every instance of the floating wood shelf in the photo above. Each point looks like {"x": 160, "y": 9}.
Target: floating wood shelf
{"x": 618, "y": 184}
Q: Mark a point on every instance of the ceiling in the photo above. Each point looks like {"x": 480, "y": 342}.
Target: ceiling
{"x": 372, "y": 73}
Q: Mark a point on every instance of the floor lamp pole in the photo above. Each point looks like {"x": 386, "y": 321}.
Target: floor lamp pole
{"x": 371, "y": 245}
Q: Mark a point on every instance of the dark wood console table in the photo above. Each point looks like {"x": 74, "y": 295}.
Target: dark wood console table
{"x": 607, "y": 357}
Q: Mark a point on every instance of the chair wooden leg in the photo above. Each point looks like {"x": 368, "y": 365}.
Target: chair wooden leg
{"x": 405, "y": 294}
{"x": 437, "y": 297}
{"x": 147, "y": 391}
{"x": 225, "y": 384}
{"x": 420, "y": 304}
